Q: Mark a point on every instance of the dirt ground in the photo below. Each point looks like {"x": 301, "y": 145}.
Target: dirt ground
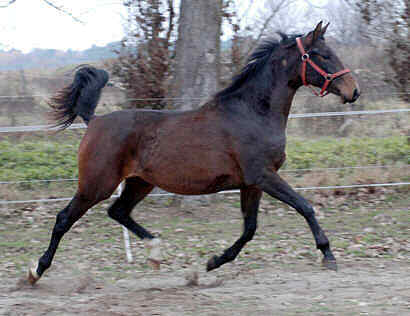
{"x": 357, "y": 289}
{"x": 278, "y": 273}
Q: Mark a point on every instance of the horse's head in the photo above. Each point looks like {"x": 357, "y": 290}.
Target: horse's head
{"x": 319, "y": 66}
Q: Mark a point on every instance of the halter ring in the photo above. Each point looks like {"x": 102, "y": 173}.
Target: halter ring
{"x": 305, "y": 56}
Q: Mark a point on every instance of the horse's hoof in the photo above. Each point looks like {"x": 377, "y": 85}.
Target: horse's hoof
{"x": 329, "y": 264}
{"x": 155, "y": 264}
{"x": 212, "y": 264}
{"x": 32, "y": 276}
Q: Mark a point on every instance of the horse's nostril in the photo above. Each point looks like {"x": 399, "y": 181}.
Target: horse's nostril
{"x": 356, "y": 95}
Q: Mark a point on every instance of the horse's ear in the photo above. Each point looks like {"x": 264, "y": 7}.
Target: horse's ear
{"x": 318, "y": 31}
{"x": 324, "y": 29}
{"x": 284, "y": 39}
{"x": 314, "y": 35}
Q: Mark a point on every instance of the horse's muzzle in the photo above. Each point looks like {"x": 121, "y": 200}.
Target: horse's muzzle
{"x": 355, "y": 96}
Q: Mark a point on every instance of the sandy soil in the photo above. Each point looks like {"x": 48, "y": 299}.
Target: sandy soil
{"x": 278, "y": 273}
{"x": 356, "y": 289}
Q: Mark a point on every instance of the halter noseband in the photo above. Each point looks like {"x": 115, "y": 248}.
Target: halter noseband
{"x": 328, "y": 77}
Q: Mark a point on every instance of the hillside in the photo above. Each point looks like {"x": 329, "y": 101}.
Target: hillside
{"x": 52, "y": 58}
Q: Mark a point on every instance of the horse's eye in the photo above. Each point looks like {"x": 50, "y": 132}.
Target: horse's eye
{"x": 321, "y": 54}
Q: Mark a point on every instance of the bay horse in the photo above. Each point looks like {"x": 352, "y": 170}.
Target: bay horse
{"x": 236, "y": 140}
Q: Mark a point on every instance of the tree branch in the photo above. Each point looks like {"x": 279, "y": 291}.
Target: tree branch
{"x": 282, "y": 4}
{"x": 62, "y": 10}
{"x": 7, "y": 4}
{"x": 170, "y": 20}
{"x": 315, "y": 6}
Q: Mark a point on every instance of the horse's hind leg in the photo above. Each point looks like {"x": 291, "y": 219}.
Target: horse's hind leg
{"x": 250, "y": 198}
{"x": 135, "y": 190}
{"x": 77, "y": 207}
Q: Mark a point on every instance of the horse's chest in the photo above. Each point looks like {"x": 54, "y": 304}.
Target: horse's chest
{"x": 276, "y": 155}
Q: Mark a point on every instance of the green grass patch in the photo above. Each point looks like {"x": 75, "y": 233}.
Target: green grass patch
{"x": 55, "y": 159}
{"x": 38, "y": 160}
{"x": 336, "y": 152}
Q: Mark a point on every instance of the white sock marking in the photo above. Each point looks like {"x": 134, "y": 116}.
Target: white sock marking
{"x": 154, "y": 249}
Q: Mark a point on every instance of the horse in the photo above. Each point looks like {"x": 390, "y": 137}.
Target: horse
{"x": 235, "y": 140}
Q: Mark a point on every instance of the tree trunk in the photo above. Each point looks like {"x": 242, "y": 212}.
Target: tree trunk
{"x": 196, "y": 74}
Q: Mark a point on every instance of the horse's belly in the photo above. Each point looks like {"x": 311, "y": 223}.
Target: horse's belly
{"x": 186, "y": 178}
{"x": 189, "y": 186}
{"x": 201, "y": 164}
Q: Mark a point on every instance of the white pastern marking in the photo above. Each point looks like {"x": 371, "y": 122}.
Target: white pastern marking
{"x": 154, "y": 249}
{"x": 33, "y": 271}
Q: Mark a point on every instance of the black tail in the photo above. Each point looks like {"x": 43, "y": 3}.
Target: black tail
{"x": 79, "y": 98}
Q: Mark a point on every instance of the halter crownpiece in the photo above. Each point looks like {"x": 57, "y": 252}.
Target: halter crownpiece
{"x": 328, "y": 77}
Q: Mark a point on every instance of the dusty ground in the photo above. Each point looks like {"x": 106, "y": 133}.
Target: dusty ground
{"x": 278, "y": 273}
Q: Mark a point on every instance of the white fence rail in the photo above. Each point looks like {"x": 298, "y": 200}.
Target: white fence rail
{"x": 330, "y": 187}
{"x": 281, "y": 171}
{"x": 38, "y": 128}
{"x": 127, "y": 245}
{"x": 35, "y": 128}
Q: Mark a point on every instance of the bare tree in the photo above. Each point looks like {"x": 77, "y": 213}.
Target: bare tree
{"x": 144, "y": 64}
{"x": 196, "y": 73}
{"x": 346, "y": 24}
{"x": 389, "y": 23}
{"x": 250, "y": 23}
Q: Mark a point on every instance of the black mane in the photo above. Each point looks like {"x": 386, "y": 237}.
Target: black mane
{"x": 256, "y": 64}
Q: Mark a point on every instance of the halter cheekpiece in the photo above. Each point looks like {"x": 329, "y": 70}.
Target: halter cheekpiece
{"x": 328, "y": 77}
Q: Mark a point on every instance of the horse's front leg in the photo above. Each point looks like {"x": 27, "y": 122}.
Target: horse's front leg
{"x": 276, "y": 187}
{"x": 250, "y": 198}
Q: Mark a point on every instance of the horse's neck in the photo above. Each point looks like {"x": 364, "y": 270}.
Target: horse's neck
{"x": 281, "y": 101}
{"x": 274, "y": 102}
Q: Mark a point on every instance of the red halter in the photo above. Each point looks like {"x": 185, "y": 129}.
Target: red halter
{"x": 328, "y": 77}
